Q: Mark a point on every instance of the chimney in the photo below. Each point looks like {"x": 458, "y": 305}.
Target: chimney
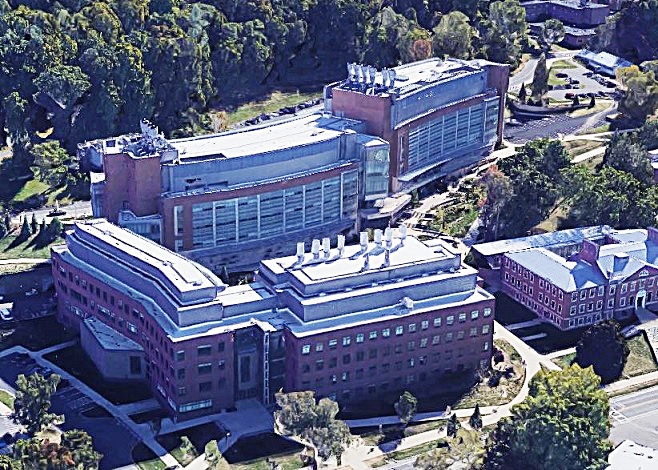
{"x": 388, "y": 234}
{"x": 326, "y": 246}
{"x": 341, "y": 244}
{"x": 315, "y": 248}
{"x": 300, "y": 252}
{"x": 619, "y": 262}
{"x": 364, "y": 241}
{"x": 403, "y": 233}
{"x": 378, "y": 237}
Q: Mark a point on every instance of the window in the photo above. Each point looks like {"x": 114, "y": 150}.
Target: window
{"x": 180, "y": 374}
{"x": 460, "y": 334}
{"x": 319, "y": 347}
{"x": 182, "y": 391}
{"x": 372, "y": 353}
{"x": 474, "y": 331}
{"x": 437, "y": 322}
{"x": 346, "y": 376}
{"x": 333, "y": 379}
{"x": 611, "y": 303}
{"x": 372, "y": 335}
{"x": 581, "y": 308}
{"x": 399, "y": 330}
{"x": 347, "y": 340}
{"x": 205, "y": 386}
{"x": 486, "y": 312}
{"x": 450, "y": 320}
{"x": 306, "y": 368}
{"x": 347, "y": 358}
{"x": 622, "y": 302}
{"x": 319, "y": 364}
{"x": 424, "y": 325}
{"x": 475, "y": 314}
{"x": 398, "y": 349}
{"x": 360, "y": 355}
{"x": 485, "y": 346}
{"x": 333, "y": 343}
{"x": 204, "y": 350}
{"x": 448, "y": 337}
{"x": 423, "y": 343}
{"x": 624, "y": 288}
{"x": 601, "y": 291}
{"x": 485, "y": 329}
{"x": 462, "y": 317}
{"x": 220, "y": 347}
{"x": 333, "y": 362}
{"x": 572, "y": 310}
{"x": 412, "y": 327}
{"x": 221, "y": 365}
{"x": 306, "y": 349}
{"x": 360, "y": 337}
{"x": 612, "y": 290}
{"x": 204, "y": 369}
{"x": 132, "y": 328}
{"x": 386, "y": 332}
{"x": 436, "y": 339}
{"x": 196, "y": 405}
{"x": 411, "y": 345}
{"x": 583, "y": 294}
{"x": 574, "y": 296}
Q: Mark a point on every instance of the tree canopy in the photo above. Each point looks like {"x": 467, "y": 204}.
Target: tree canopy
{"x": 603, "y": 347}
{"x": 32, "y": 403}
{"x": 406, "y": 407}
{"x": 562, "y": 424}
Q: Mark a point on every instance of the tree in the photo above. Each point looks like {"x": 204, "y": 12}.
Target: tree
{"x": 453, "y": 36}
{"x": 641, "y": 92}
{"x": 32, "y": 403}
{"x": 623, "y": 154}
{"x": 465, "y": 452}
{"x": 213, "y": 456}
{"x": 300, "y": 415}
{"x": 552, "y": 32}
{"x": 55, "y": 228}
{"x": 78, "y": 445}
{"x": 26, "y": 231}
{"x": 406, "y": 407}
{"x": 523, "y": 94}
{"x": 7, "y": 222}
{"x": 7, "y": 463}
{"x": 499, "y": 192}
{"x": 453, "y": 425}
{"x": 502, "y": 31}
{"x": 563, "y": 424}
{"x": 48, "y": 160}
{"x": 187, "y": 447}
{"x": 75, "y": 451}
{"x": 3, "y": 231}
{"x": 540, "y": 79}
{"x": 475, "y": 420}
{"x": 33, "y": 223}
{"x": 604, "y": 348}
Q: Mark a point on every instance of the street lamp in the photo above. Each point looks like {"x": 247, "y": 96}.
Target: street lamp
{"x": 228, "y": 434}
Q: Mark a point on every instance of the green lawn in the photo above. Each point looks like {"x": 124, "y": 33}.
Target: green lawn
{"x": 27, "y": 249}
{"x": 7, "y": 399}
{"x": 274, "y": 102}
{"x": 31, "y": 188}
{"x": 563, "y": 64}
{"x": 640, "y": 360}
{"x": 564, "y": 361}
{"x": 288, "y": 461}
{"x": 145, "y": 459}
{"x": 596, "y": 130}
{"x": 406, "y": 453}
{"x": 577, "y": 147}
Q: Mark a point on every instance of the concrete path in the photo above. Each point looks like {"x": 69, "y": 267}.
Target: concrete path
{"x": 587, "y": 155}
{"x": 563, "y": 352}
{"x": 142, "y": 431}
{"x": 24, "y": 261}
{"x": 524, "y": 324}
{"x": 633, "y": 381}
{"x": 140, "y": 406}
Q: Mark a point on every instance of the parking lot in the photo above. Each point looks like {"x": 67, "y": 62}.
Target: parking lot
{"x": 587, "y": 82}
{"x": 110, "y": 437}
{"x": 633, "y": 416}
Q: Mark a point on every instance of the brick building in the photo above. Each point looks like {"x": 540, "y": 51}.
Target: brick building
{"x": 353, "y": 322}
{"x": 231, "y": 199}
{"x": 602, "y": 277}
{"x": 578, "y": 13}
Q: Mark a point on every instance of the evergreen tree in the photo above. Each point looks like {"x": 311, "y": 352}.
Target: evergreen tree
{"x": 540, "y": 79}
{"x": 26, "y": 231}
{"x": 476, "y": 418}
{"x": 523, "y": 94}
{"x": 604, "y": 348}
{"x": 453, "y": 425}
{"x": 34, "y": 225}
{"x": 7, "y": 222}
{"x": 42, "y": 227}
{"x": 3, "y": 231}
{"x": 406, "y": 407}
{"x": 55, "y": 228}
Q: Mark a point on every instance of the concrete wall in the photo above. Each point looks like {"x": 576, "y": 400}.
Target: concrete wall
{"x": 113, "y": 365}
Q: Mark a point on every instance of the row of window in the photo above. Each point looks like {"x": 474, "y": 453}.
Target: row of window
{"x": 398, "y": 331}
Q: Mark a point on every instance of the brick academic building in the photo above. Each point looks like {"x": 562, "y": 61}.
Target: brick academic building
{"x": 231, "y": 199}
{"x": 353, "y": 322}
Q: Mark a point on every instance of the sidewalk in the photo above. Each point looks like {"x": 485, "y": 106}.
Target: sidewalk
{"x": 626, "y": 383}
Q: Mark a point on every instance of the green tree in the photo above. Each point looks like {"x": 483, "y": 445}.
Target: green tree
{"x": 213, "y": 456}
{"x": 604, "y": 348}
{"x": 523, "y": 94}
{"x": 300, "y": 415}
{"x": 475, "y": 420}
{"x": 75, "y": 451}
{"x": 540, "y": 79}
{"x": 499, "y": 192}
{"x": 406, "y": 407}
{"x": 453, "y": 425}
{"x": 552, "y": 32}
{"x": 33, "y": 223}
{"x": 502, "y": 31}
{"x": 623, "y": 154}
{"x": 48, "y": 160}
{"x": 26, "y": 231}
{"x": 7, "y": 463}
{"x": 465, "y": 452}
{"x": 7, "y": 222}
{"x": 186, "y": 446}
{"x": 453, "y": 36}
{"x": 55, "y": 228}
{"x": 641, "y": 92}
{"x": 3, "y": 231}
{"x": 562, "y": 424}
{"x": 32, "y": 403}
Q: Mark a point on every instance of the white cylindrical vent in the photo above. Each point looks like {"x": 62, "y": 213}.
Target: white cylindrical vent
{"x": 341, "y": 242}
{"x": 300, "y": 250}
{"x": 378, "y": 237}
{"x": 364, "y": 240}
{"x": 326, "y": 246}
{"x": 315, "y": 248}
{"x": 403, "y": 231}
{"x": 388, "y": 235}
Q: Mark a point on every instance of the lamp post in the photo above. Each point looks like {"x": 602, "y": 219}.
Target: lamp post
{"x": 228, "y": 434}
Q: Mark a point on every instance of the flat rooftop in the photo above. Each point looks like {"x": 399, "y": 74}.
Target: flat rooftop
{"x": 264, "y": 139}
{"x": 184, "y": 274}
{"x": 109, "y": 338}
{"x": 412, "y": 77}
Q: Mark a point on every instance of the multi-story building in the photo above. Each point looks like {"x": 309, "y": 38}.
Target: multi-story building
{"x": 606, "y": 277}
{"x": 579, "y": 13}
{"x": 231, "y": 199}
{"x": 353, "y": 322}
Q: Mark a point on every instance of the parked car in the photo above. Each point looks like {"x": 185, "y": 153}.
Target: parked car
{"x": 575, "y": 82}
{"x": 31, "y": 292}
{"x": 568, "y": 96}
{"x": 561, "y": 75}
{"x": 6, "y": 315}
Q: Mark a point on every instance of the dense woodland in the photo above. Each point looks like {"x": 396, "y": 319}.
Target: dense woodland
{"x": 73, "y": 70}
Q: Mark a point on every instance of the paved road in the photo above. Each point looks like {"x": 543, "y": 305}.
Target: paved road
{"x": 524, "y": 76}
{"x": 75, "y": 210}
{"x": 635, "y": 417}
{"x": 554, "y": 126}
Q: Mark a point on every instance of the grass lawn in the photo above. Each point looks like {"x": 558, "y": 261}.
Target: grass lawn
{"x": 7, "y": 399}
{"x": 564, "y": 361}
{"x": 27, "y": 249}
{"x": 274, "y": 102}
{"x": 596, "y": 130}
{"x": 563, "y": 64}
{"x": 251, "y": 452}
{"x": 578, "y": 147}
{"x": 31, "y": 188}
{"x": 372, "y": 436}
{"x": 406, "y": 453}
{"x": 199, "y": 436}
{"x": 145, "y": 459}
{"x": 599, "y": 106}
{"x": 555, "y": 218}
{"x": 640, "y": 360}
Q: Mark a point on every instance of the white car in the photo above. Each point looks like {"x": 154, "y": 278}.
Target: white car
{"x": 6, "y": 315}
